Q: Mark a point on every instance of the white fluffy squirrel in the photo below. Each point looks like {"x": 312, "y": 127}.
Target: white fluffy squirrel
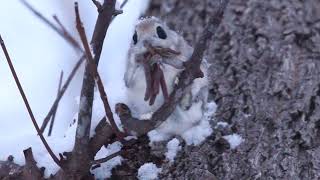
{"x": 190, "y": 111}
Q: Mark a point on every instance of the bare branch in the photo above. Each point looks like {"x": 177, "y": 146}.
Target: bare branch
{"x": 61, "y": 93}
{"x": 102, "y": 160}
{"x": 101, "y": 27}
{"x": 98, "y": 5}
{"x": 14, "y": 74}
{"x": 95, "y": 72}
{"x": 55, "y": 111}
{"x": 82, "y": 156}
{"x": 62, "y": 32}
{"x": 66, "y": 36}
{"x": 123, "y": 4}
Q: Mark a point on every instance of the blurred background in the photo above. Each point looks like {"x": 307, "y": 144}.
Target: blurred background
{"x": 39, "y": 55}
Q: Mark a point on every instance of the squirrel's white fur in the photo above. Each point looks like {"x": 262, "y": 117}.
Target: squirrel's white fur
{"x": 190, "y": 111}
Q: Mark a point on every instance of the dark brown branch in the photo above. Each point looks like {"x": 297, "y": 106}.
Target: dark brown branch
{"x": 87, "y": 91}
{"x": 61, "y": 93}
{"x": 102, "y": 135}
{"x": 98, "y": 5}
{"x": 123, "y": 3}
{"x": 33, "y": 119}
{"x": 62, "y": 32}
{"x": 82, "y": 154}
{"x": 94, "y": 71}
{"x": 189, "y": 74}
{"x": 102, "y": 160}
{"x": 55, "y": 111}
{"x": 101, "y": 27}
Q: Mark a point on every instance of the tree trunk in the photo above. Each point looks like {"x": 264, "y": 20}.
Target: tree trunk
{"x": 265, "y": 80}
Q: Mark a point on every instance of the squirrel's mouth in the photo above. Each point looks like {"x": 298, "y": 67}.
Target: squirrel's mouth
{"x": 151, "y": 61}
{"x": 164, "y": 55}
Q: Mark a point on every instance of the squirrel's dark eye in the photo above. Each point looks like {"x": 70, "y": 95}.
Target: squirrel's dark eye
{"x": 135, "y": 38}
{"x": 161, "y": 33}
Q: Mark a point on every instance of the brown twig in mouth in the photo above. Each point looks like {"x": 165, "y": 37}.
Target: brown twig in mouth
{"x": 154, "y": 74}
{"x": 163, "y": 86}
{"x": 148, "y": 76}
{"x": 154, "y": 79}
{"x": 164, "y": 52}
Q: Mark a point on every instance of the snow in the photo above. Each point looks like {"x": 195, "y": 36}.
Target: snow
{"x": 197, "y": 134}
{"x": 173, "y": 147}
{"x": 148, "y": 171}
{"x": 234, "y": 140}
{"x": 105, "y": 170}
{"x": 16, "y": 144}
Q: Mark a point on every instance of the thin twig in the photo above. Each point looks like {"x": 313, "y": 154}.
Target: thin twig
{"x": 63, "y": 33}
{"x": 63, "y": 29}
{"x": 123, "y": 4}
{"x": 54, "y": 157}
{"x": 102, "y": 160}
{"x": 55, "y": 111}
{"x": 94, "y": 71}
{"x": 66, "y": 36}
{"x": 61, "y": 93}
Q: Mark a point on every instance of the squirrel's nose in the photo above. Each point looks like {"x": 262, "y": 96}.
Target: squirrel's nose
{"x": 146, "y": 43}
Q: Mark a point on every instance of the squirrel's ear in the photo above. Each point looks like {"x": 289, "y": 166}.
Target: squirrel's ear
{"x": 161, "y": 33}
{"x": 135, "y": 38}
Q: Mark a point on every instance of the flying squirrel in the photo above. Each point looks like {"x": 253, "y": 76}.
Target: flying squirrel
{"x": 153, "y": 34}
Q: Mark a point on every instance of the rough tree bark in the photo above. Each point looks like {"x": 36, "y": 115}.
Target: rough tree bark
{"x": 265, "y": 80}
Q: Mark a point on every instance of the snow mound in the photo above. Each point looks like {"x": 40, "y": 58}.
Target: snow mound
{"x": 234, "y": 140}
{"x": 173, "y": 147}
{"x": 148, "y": 171}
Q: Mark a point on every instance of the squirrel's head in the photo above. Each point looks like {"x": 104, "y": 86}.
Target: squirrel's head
{"x": 152, "y": 31}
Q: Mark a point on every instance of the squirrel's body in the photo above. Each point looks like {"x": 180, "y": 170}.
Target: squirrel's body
{"x": 190, "y": 111}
